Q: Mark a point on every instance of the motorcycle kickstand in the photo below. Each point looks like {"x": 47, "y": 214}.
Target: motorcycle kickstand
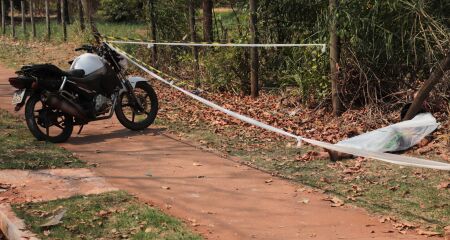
{"x": 81, "y": 129}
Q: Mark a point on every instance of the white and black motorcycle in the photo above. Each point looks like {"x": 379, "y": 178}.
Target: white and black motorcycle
{"x": 93, "y": 89}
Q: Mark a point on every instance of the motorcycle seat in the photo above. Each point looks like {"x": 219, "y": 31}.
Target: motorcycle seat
{"x": 46, "y": 70}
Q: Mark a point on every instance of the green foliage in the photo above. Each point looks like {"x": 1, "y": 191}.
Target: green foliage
{"x": 118, "y": 10}
{"x": 227, "y": 69}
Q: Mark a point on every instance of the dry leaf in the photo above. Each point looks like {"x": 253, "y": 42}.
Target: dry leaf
{"x": 336, "y": 202}
{"x": 444, "y": 185}
{"x": 56, "y": 219}
{"x": 305, "y": 201}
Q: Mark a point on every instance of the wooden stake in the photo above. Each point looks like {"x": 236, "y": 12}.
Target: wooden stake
{"x": 254, "y": 62}
{"x": 151, "y": 5}
{"x": 13, "y": 27}
{"x": 3, "y": 17}
{"x": 81, "y": 16}
{"x": 33, "y": 24}
{"x": 47, "y": 19}
{"x": 63, "y": 21}
{"x": 22, "y": 8}
{"x": 194, "y": 39}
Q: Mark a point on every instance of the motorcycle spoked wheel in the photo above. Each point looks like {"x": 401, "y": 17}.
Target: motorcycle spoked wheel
{"x": 130, "y": 117}
{"x": 45, "y": 123}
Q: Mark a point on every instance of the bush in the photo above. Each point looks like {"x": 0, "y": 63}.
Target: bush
{"x": 118, "y": 10}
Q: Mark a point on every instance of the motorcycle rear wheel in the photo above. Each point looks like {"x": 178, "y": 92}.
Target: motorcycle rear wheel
{"x": 130, "y": 117}
{"x": 45, "y": 123}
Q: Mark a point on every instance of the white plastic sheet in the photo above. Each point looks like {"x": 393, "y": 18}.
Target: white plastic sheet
{"x": 396, "y": 137}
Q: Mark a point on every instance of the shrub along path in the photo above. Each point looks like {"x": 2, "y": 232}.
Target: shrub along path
{"x": 221, "y": 199}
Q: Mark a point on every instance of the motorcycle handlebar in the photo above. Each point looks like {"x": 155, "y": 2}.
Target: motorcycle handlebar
{"x": 87, "y": 48}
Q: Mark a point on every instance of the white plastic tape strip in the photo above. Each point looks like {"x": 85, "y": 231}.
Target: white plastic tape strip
{"x": 150, "y": 44}
{"x": 385, "y": 157}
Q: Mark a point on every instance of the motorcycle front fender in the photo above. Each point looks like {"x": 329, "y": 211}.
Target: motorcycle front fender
{"x": 134, "y": 80}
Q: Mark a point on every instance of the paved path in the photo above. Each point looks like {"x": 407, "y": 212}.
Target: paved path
{"x": 218, "y": 197}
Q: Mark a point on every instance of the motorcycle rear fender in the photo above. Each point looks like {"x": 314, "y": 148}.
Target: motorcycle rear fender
{"x": 134, "y": 80}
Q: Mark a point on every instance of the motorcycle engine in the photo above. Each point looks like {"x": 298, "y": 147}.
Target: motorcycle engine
{"x": 102, "y": 104}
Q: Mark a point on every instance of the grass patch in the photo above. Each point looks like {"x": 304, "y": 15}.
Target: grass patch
{"x": 20, "y": 150}
{"x": 114, "y": 215}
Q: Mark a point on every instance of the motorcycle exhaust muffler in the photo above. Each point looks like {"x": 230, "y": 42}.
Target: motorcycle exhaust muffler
{"x": 66, "y": 106}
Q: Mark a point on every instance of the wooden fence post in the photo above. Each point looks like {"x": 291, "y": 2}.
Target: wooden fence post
{"x": 194, "y": 39}
{"x": 81, "y": 16}
{"x": 13, "y": 27}
{"x": 22, "y": 9}
{"x": 63, "y": 20}
{"x": 47, "y": 19}
{"x": 254, "y": 62}
{"x": 3, "y": 17}
{"x": 33, "y": 24}
{"x": 151, "y": 5}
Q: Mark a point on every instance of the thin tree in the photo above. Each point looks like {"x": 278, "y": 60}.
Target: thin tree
{"x": 3, "y": 17}
{"x": 424, "y": 91}
{"x": 33, "y": 24}
{"x": 254, "y": 58}
{"x": 58, "y": 11}
{"x": 13, "y": 27}
{"x": 66, "y": 15}
{"x": 22, "y": 9}
{"x": 207, "y": 6}
{"x": 81, "y": 16}
{"x": 63, "y": 20}
{"x": 89, "y": 12}
{"x": 152, "y": 12}
{"x": 194, "y": 39}
{"x": 47, "y": 19}
{"x": 335, "y": 50}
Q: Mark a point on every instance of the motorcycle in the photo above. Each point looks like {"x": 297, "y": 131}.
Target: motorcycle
{"x": 93, "y": 89}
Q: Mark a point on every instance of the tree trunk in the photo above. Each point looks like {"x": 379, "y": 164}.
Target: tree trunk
{"x": 63, "y": 20}
{"x": 424, "y": 91}
{"x": 208, "y": 34}
{"x": 81, "y": 16}
{"x": 66, "y": 15}
{"x": 3, "y": 17}
{"x": 335, "y": 52}
{"x": 151, "y": 5}
{"x": 13, "y": 27}
{"x": 194, "y": 39}
{"x": 254, "y": 62}
{"x": 33, "y": 24}
{"x": 58, "y": 11}
{"x": 47, "y": 19}
{"x": 87, "y": 6}
{"x": 22, "y": 9}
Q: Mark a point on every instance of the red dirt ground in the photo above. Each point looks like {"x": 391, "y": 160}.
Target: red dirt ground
{"x": 219, "y": 198}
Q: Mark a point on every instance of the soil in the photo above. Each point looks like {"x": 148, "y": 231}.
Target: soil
{"x": 217, "y": 197}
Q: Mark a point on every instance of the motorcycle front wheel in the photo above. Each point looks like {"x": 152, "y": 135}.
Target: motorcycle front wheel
{"x": 132, "y": 118}
{"x": 45, "y": 123}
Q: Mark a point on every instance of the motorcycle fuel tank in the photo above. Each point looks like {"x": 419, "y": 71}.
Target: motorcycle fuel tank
{"x": 88, "y": 62}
